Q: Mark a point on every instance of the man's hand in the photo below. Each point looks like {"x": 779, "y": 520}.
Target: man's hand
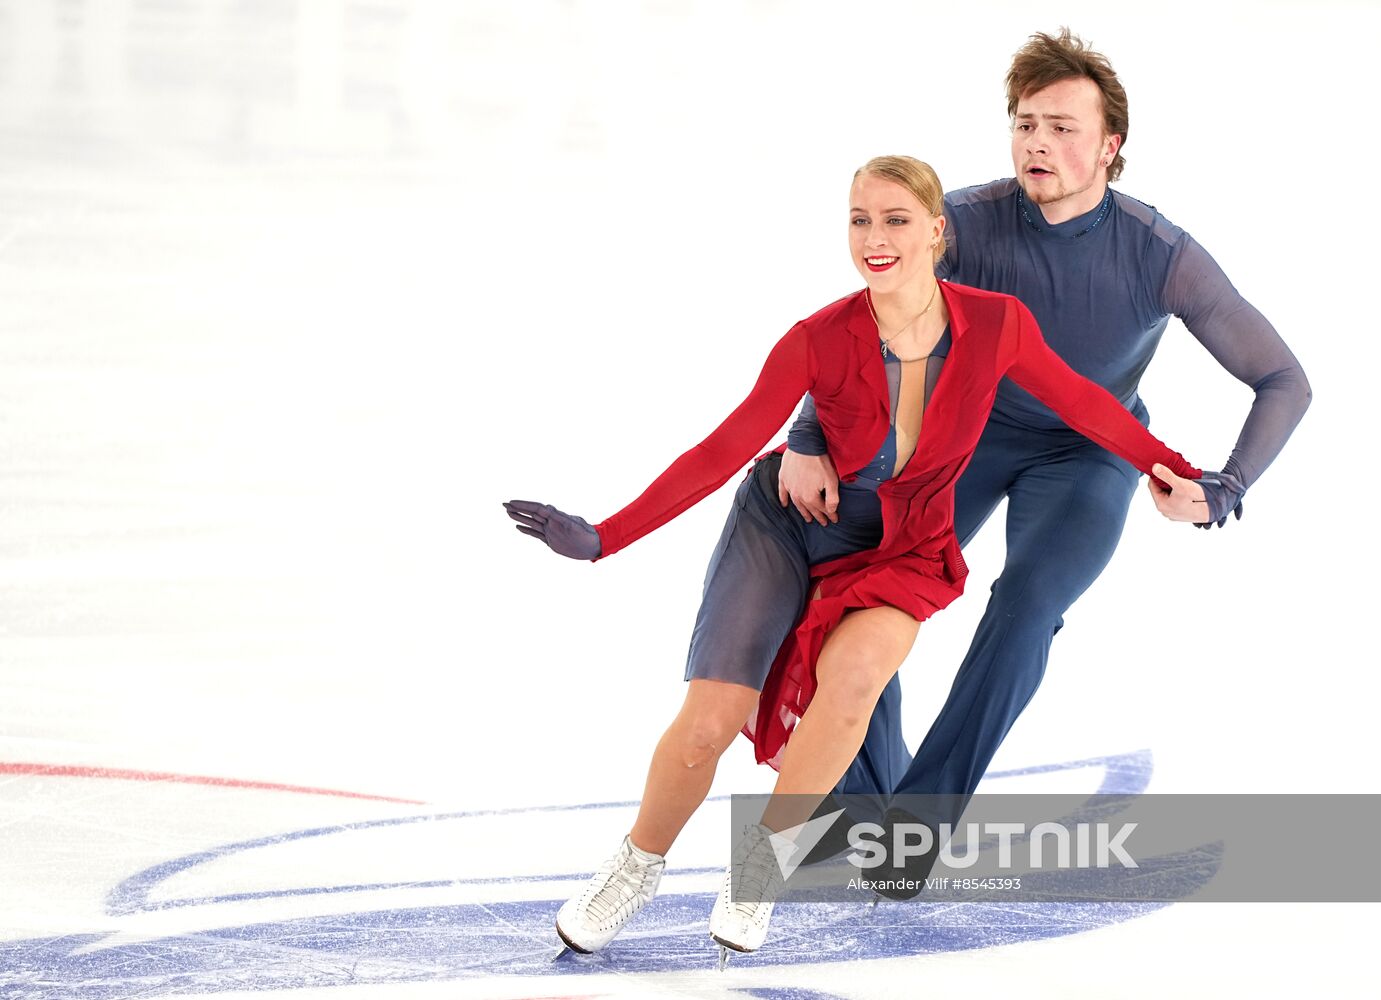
{"x": 809, "y": 482}
{"x": 1183, "y": 501}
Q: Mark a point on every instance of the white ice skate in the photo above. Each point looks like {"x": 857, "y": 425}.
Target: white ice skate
{"x": 740, "y": 924}
{"x": 623, "y": 885}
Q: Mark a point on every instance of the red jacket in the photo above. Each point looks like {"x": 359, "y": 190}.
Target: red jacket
{"x": 917, "y": 566}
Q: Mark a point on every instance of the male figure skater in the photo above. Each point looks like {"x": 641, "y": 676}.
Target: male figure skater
{"x": 1103, "y": 273}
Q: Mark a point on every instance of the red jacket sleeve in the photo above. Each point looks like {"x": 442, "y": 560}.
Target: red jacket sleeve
{"x": 1086, "y": 406}
{"x": 785, "y": 378}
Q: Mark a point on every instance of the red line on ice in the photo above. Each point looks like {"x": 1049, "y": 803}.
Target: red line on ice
{"x": 121, "y": 774}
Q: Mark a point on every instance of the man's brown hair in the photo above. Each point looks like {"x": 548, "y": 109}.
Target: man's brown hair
{"x": 1047, "y": 59}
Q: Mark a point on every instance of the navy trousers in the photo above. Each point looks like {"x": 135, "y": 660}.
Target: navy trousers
{"x": 1067, "y": 501}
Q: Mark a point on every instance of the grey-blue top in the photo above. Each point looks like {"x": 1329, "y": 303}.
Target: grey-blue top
{"x": 1103, "y": 287}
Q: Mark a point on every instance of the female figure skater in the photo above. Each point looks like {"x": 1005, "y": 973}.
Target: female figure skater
{"x": 808, "y": 622}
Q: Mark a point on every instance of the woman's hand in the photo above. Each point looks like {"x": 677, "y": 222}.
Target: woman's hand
{"x": 812, "y": 484}
{"x": 1183, "y": 501}
{"x": 565, "y": 534}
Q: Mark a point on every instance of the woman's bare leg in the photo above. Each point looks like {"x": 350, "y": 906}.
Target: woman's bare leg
{"x": 684, "y": 762}
{"x": 858, "y": 659}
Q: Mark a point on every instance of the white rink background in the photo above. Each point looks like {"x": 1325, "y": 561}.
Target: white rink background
{"x": 295, "y": 293}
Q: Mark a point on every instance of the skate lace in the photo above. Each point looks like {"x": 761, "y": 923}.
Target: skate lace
{"x": 625, "y": 884}
{"x": 759, "y": 878}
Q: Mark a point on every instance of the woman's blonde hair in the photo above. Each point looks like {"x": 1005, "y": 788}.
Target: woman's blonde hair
{"x": 917, "y": 177}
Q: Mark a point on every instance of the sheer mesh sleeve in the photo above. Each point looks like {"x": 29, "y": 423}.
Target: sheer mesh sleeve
{"x": 1245, "y": 343}
{"x": 806, "y": 436}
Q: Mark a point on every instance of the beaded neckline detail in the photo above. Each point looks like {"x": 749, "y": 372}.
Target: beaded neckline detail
{"x": 1102, "y": 214}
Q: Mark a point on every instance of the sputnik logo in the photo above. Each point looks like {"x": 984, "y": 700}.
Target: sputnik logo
{"x": 793, "y": 845}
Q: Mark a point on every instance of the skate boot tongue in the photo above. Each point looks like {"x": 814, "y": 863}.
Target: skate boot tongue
{"x": 766, "y": 856}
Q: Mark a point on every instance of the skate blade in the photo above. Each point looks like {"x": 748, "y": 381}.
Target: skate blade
{"x": 726, "y": 950}
{"x": 567, "y": 947}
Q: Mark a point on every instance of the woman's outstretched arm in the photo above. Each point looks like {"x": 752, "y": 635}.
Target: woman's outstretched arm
{"x": 786, "y": 376}
{"x": 1093, "y": 411}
